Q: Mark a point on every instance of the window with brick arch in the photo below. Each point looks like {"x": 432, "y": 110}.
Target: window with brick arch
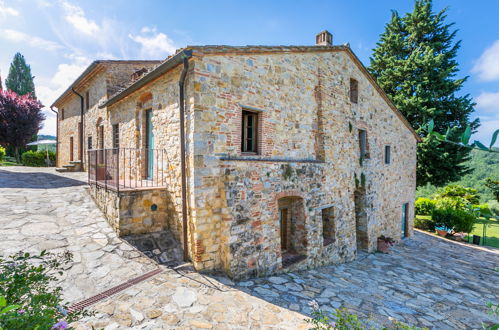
{"x": 354, "y": 91}
{"x": 363, "y": 144}
{"x": 249, "y": 134}
{"x": 328, "y": 226}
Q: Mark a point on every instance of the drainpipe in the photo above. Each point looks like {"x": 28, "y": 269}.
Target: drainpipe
{"x": 81, "y": 128}
{"x": 56, "y": 136}
{"x": 182, "y": 156}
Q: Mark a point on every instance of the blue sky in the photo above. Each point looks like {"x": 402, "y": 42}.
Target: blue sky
{"x": 59, "y": 38}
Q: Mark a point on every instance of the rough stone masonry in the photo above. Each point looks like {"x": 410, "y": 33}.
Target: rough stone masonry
{"x": 295, "y": 157}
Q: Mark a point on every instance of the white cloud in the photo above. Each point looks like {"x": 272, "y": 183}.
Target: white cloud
{"x": 487, "y": 66}
{"x": 488, "y": 125}
{"x": 488, "y": 102}
{"x": 75, "y": 16}
{"x": 7, "y": 11}
{"x": 153, "y": 44}
{"x": 33, "y": 41}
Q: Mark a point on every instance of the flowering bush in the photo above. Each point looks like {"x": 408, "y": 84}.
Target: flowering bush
{"x": 27, "y": 298}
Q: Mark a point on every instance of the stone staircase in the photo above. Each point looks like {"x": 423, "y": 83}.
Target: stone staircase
{"x": 73, "y": 166}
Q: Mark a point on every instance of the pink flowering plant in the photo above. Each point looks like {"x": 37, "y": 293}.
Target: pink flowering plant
{"x": 28, "y": 297}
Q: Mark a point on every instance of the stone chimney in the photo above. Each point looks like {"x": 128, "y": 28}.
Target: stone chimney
{"x": 324, "y": 38}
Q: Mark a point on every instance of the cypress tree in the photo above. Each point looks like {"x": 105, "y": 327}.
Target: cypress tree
{"x": 20, "y": 79}
{"x": 415, "y": 63}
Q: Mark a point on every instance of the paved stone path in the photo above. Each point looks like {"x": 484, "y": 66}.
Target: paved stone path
{"x": 426, "y": 281}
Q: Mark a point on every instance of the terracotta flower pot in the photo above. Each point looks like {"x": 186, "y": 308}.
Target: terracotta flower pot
{"x": 441, "y": 232}
{"x": 384, "y": 246}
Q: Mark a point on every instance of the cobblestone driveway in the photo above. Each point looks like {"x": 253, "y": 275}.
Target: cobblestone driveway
{"x": 426, "y": 281}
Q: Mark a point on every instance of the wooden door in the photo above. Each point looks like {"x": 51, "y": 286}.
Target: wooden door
{"x": 283, "y": 221}
{"x": 149, "y": 145}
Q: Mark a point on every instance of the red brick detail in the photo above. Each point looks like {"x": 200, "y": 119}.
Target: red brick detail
{"x": 199, "y": 251}
{"x": 289, "y": 193}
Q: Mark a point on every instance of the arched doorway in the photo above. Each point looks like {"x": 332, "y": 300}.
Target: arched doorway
{"x": 292, "y": 231}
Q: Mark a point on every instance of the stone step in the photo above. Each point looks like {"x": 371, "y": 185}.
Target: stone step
{"x": 61, "y": 169}
{"x": 69, "y": 166}
{"x": 75, "y": 162}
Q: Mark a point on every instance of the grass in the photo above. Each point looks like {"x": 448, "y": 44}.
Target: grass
{"x": 491, "y": 234}
{"x": 8, "y": 163}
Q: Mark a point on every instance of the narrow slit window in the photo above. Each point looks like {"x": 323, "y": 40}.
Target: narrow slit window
{"x": 354, "y": 91}
{"x": 89, "y": 143}
{"x": 87, "y": 100}
{"x": 363, "y": 144}
{"x": 249, "y": 132}
{"x": 62, "y": 114}
{"x": 328, "y": 226}
{"x": 116, "y": 136}
{"x": 388, "y": 154}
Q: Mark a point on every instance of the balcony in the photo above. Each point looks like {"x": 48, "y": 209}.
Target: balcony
{"x": 128, "y": 169}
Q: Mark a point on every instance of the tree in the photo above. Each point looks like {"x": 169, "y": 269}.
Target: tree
{"x": 20, "y": 118}
{"x": 20, "y": 79}
{"x": 415, "y": 63}
{"x": 494, "y": 186}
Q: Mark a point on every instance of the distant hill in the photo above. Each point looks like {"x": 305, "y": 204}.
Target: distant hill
{"x": 484, "y": 165}
{"x": 46, "y": 137}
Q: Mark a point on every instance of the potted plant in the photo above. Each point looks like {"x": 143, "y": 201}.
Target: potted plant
{"x": 385, "y": 243}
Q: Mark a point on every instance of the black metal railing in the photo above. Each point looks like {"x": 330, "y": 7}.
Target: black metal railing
{"x": 127, "y": 168}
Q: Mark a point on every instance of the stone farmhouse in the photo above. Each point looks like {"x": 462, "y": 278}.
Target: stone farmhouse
{"x": 258, "y": 159}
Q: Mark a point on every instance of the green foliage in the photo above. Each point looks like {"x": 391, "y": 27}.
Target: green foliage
{"x": 340, "y": 319}
{"x": 20, "y": 79}
{"x": 2, "y": 154}
{"x": 493, "y": 185}
{"x": 37, "y": 158}
{"x": 415, "y": 64}
{"x": 483, "y": 210}
{"x": 425, "y": 223}
{"x": 424, "y": 206}
{"x": 454, "y": 190}
{"x": 26, "y": 286}
{"x": 461, "y": 221}
{"x": 484, "y": 165}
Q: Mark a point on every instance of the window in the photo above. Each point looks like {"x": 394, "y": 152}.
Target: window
{"x": 388, "y": 154}
{"x": 87, "y": 100}
{"x": 89, "y": 143}
{"x": 354, "y": 91}
{"x": 328, "y": 226}
{"x": 62, "y": 114}
{"x": 249, "y": 132}
{"x": 363, "y": 144}
{"x": 116, "y": 136}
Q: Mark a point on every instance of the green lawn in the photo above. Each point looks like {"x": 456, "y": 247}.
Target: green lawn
{"x": 491, "y": 233}
{"x": 7, "y": 163}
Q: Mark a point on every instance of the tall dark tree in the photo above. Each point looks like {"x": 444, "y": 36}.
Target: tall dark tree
{"x": 20, "y": 79}
{"x": 21, "y": 118}
{"x": 415, "y": 63}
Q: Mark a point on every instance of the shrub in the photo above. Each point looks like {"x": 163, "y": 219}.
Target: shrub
{"x": 424, "y": 206}
{"x": 2, "y": 154}
{"x": 37, "y": 158}
{"x": 484, "y": 210}
{"x": 427, "y": 224}
{"x": 455, "y": 190}
{"x": 454, "y": 219}
{"x": 456, "y": 203}
{"x": 27, "y": 288}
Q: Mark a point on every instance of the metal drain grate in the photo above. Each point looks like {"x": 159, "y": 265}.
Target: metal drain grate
{"x": 105, "y": 294}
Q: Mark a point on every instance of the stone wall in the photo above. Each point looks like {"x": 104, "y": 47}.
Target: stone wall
{"x": 134, "y": 212}
{"x": 161, "y": 97}
{"x": 308, "y": 148}
{"x": 104, "y": 80}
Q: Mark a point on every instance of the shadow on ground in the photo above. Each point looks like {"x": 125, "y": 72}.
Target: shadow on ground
{"x": 35, "y": 180}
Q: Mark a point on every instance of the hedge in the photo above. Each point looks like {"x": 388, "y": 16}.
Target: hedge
{"x": 37, "y": 158}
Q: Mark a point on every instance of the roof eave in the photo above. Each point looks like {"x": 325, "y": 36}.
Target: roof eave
{"x": 154, "y": 74}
